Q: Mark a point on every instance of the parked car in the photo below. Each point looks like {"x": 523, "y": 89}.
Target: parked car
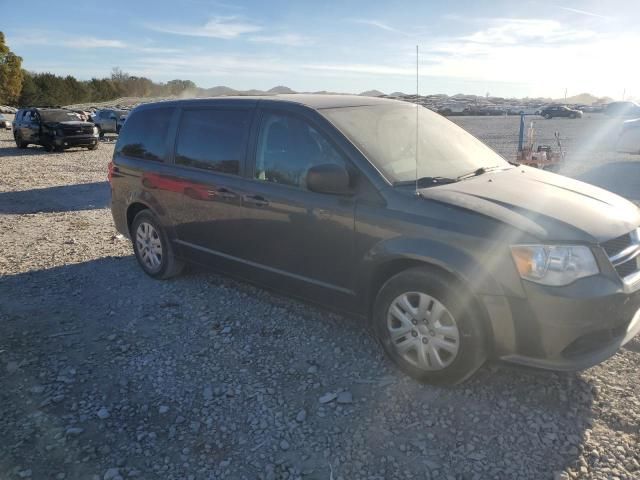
{"x": 629, "y": 139}
{"x": 121, "y": 119}
{"x": 54, "y": 128}
{"x": 5, "y": 122}
{"x": 622, "y": 109}
{"x": 317, "y": 196}
{"x": 560, "y": 111}
{"x": 107, "y": 120}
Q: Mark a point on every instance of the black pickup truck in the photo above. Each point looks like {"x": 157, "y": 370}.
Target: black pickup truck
{"x": 54, "y": 128}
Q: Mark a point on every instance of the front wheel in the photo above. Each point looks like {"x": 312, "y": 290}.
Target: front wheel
{"x": 93, "y": 147}
{"x": 547, "y": 116}
{"x": 428, "y": 327}
{"x": 151, "y": 245}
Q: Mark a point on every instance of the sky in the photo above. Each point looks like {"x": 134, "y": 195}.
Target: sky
{"x": 504, "y": 48}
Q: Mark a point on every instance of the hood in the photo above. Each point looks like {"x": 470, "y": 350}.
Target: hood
{"x": 71, "y": 123}
{"x": 543, "y": 204}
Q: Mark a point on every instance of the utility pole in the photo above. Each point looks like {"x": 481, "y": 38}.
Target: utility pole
{"x": 565, "y": 95}
{"x": 624, "y": 92}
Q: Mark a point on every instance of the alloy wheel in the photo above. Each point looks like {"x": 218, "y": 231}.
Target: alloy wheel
{"x": 422, "y": 331}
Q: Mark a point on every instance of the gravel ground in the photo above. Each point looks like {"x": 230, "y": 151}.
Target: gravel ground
{"x": 108, "y": 374}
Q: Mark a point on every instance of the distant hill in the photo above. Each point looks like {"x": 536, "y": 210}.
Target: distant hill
{"x": 280, "y": 89}
{"x": 399, "y": 94}
{"x": 224, "y": 90}
{"x": 584, "y": 99}
{"x": 371, "y": 93}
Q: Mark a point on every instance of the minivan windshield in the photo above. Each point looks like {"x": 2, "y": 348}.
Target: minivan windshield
{"x": 386, "y": 134}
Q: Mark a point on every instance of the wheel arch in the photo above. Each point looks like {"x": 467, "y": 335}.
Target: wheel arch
{"x": 133, "y": 209}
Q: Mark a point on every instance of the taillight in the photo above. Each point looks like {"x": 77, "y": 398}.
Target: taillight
{"x": 110, "y": 171}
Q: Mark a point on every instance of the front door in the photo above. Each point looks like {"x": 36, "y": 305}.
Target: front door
{"x": 305, "y": 237}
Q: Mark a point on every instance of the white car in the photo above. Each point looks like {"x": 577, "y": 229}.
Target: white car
{"x": 629, "y": 139}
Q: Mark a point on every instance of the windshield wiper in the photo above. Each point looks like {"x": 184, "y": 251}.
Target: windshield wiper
{"x": 477, "y": 172}
{"x": 424, "y": 182}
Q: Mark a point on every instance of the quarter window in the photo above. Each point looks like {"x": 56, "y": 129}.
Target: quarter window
{"x": 145, "y": 134}
{"x": 288, "y": 147}
{"x": 213, "y": 139}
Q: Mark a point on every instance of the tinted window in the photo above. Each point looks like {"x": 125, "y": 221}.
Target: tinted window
{"x": 145, "y": 134}
{"x": 288, "y": 147}
{"x": 212, "y": 139}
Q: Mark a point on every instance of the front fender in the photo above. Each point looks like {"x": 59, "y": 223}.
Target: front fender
{"x": 457, "y": 262}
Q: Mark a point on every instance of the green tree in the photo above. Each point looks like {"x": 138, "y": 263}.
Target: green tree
{"x": 10, "y": 74}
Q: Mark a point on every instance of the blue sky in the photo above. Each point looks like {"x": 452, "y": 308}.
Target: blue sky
{"x": 508, "y": 48}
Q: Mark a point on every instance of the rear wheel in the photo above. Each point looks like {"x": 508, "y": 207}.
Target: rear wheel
{"x": 547, "y": 116}
{"x": 428, "y": 328}
{"x": 19, "y": 142}
{"x": 151, "y": 245}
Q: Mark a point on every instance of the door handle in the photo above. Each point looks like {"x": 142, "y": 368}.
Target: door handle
{"x": 256, "y": 200}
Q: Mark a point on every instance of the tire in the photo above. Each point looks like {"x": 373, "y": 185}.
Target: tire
{"x": 49, "y": 147}
{"x": 573, "y": 115}
{"x": 93, "y": 147}
{"x": 449, "y": 331}
{"x": 162, "y": 263}
{"x": 20, "y": 143}
{"x": 547, "y": 116}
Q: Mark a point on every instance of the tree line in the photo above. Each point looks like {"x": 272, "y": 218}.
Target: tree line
{"x": 19, "y": 87}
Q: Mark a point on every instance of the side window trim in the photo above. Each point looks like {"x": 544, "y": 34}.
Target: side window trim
{"x": 245, "y": 141}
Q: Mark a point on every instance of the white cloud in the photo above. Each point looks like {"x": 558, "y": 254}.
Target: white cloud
{"x": 224, "y": 27}
{"x": 379, "y": 24}
{"x": 57, "y": 39}
{"x": 584, "y": 12}
{"x": 286, "y": 39}
{"x": 91, "y": 42}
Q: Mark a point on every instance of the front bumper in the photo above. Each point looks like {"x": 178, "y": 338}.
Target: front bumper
{"x": 76, "y": 141}
{"x": 567, "y": 328}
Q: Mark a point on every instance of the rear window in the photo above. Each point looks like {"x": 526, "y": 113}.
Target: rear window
{"x": 212, "y": 139}
{"x": 144, "y": 135}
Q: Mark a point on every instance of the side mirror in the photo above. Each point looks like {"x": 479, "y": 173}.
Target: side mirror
{"x": 328, "y": 178}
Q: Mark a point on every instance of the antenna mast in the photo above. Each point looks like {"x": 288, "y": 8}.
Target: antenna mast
{"x": 417, "y": 114}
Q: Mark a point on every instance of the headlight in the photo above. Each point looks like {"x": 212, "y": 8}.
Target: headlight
{"x": 554, "y": 265}
{"x": 95, "y": 130}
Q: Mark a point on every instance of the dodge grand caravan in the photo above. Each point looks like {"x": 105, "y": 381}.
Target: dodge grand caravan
{"x": 452, "y": 259}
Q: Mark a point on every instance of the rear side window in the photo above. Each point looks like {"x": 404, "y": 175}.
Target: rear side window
{"x": 213, "y": 139}
{"x": 145, "y": 133}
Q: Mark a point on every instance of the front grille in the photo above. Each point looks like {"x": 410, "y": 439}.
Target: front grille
{"x": 616, "y": 245}
{"x": 80, "y": 130}
{"x": 623, "y": 252}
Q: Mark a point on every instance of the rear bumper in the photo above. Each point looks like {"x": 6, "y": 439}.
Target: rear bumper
{"x": 76, "y": 141}
{"x": 568, "y": 328}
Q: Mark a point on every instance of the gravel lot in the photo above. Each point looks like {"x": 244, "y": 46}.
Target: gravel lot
{"x": 108, "y": 374}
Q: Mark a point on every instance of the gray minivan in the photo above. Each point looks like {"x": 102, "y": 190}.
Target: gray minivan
{"x": 452, "y": 259}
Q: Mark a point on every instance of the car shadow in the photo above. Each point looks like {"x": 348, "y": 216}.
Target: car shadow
{"x": 65, "y": 198}
{"x": 108, "y": 308}
{"x": 622, "y": 178}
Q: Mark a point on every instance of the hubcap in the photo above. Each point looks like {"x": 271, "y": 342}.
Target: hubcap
{"x": 149, "y": 246}
{"x": 423, "y": 331}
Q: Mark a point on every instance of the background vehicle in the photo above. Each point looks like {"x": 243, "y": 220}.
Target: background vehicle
{"x": 315, "y": 196}
{"x": 629, "y": 139}
{"x": 107, "y": 120}
{"x": 560, "y": 111}
{"x": 121, "y": 119}
{"x": 622, "y": 109}
{"x": 53, "y": 128}
{"x": 4, "y": 122}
